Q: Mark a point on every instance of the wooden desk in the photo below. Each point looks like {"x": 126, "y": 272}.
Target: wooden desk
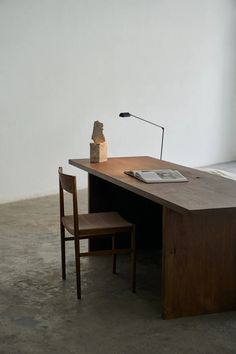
{"x": 195, "y": 220}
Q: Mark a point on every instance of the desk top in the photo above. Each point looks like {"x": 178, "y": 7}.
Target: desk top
{"x": 203, "y": 192}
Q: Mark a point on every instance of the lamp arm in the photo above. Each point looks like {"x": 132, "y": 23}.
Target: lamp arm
{"x": 159, "y": 126}
{"x": 147, "y": 121}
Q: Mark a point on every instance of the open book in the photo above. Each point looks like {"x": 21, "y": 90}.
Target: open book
{"x": 156, "y": 176}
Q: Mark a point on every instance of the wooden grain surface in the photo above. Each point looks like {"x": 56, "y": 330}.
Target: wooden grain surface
{"x": 199, "y": 264}
{"x": 203, "y": 191}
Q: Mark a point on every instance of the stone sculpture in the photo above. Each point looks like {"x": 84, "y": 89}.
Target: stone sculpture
{"x": 98, "y": 149}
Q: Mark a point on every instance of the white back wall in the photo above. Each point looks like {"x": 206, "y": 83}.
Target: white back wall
{"x": 65, "y": 64}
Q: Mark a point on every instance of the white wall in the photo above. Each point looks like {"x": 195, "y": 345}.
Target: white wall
{"x": 65, "y": 64}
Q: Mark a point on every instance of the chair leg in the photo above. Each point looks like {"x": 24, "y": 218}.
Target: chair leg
{"x": 113, "y": 256}
{"x": 133, "y": 260}
{"x": 77, "y": 266}
{"x": 63, "y": 252}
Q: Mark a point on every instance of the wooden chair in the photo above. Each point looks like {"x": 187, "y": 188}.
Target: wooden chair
{"x": 93, "y": 225}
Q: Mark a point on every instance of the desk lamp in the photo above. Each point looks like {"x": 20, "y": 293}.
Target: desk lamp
{"x": 127, "y": 114}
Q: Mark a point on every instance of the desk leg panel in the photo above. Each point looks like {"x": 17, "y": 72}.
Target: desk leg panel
{"x": 145, "y": 214}
{"x": 199, "y": 263}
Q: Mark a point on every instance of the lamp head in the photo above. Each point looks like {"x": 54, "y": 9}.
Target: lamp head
{"x": 124, "y": 114}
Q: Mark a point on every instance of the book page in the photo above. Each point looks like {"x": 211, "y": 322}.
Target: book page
{"x": 150, "y": 176}
{"x": 168, "y": 174}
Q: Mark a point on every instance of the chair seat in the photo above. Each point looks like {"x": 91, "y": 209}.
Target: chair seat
{"x": 96, "y": 224}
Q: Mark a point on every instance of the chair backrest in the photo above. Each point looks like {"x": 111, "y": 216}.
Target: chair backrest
{"x": 68, "y": 183}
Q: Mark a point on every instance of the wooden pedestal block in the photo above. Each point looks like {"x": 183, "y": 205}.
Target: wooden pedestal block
{"x": 98, "y": 152}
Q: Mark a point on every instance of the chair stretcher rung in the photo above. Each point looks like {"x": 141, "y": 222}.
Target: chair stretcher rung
{"x": 106, "y": 252}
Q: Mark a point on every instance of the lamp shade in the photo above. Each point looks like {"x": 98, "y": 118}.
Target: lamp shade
{"x": 124, "y": 114}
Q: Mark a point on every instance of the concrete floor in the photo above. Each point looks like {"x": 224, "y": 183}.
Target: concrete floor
{"x": 39, "y": 313}
{"x": 225, "y": 166}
